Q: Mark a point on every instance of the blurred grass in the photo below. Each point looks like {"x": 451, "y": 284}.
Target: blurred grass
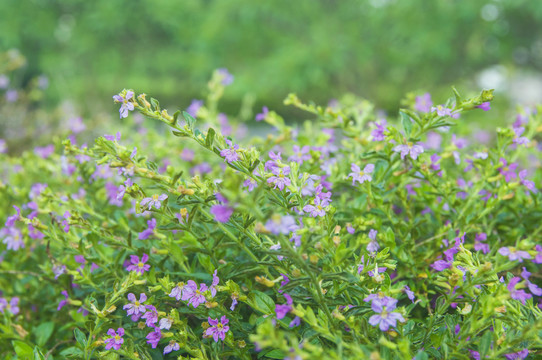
{"x": 320, "y": 49}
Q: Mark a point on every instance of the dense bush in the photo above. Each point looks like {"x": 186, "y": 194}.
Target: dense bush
{"x": 351, "y": 236}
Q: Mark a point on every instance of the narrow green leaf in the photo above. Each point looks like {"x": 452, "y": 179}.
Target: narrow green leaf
{"x": 406, "y": 122}
{"x": 43, "y": 332}
{"x": 210, "y": 137}
{"x": 80, "y": 337}
{"x": 189, "y": 120}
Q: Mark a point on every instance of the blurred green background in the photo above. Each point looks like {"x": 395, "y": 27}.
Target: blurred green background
{"x": 320, "y": 49}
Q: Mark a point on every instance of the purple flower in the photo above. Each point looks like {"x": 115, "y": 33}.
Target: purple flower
{"x": 538, "y": 256}
{"x": 115, "y": 341}
{"x": 515, "y": 294}
{"x": 514, "y": 254}
{"x": 295, "y": 322}
{"x": 413, "y": 150}
{"x": 280, "y": 177}
{"x": 423, "y": 103}
{"x": 527, "y": 183}
{"x": 181, "y": 292}
{"x": 13, "y": 238}
{"x": 318, "y": 208}
{"x": 12, "y": 306}
{"x": 138, "y": 266}
{"x": 282, "y": 310}
{"x": 45, "y": 151}
{"x": 518, "y": 139}
{"x": 261, "y": 116}
{"x": 194, "y": 107}
{"x": 113, "y": 137}
{"x": 410, "y": 293}
{"x": 222, "y": 213}
{"x": 486, "y": 106}
{"x": 217, "y": 329}
{"x": 441, "y": 265}
{"x": 122, "y": 189}
{"x": 508, "y": 171}
{"x": 281, "y": 224}
{"x": 442, "y": 111}
{"x": 11, "y": 95}
{"x": 150, "y": 315}
{"x": 385, "y": 317}
{"x": 373, "y": 246}
{"x": 165, "y": 323}
{"x": 230, "y": 154}
{"x": 149, "y": 231}
{"x": 127, "y": 105}
{"x": 518, "y": 355}
{"x": 154, "y": 337}
{"x": 361, "y": 176}
{"x": 64, "y": 301}
{"x": 136, "y": 307}
{"x": 76, "y": 125}
{"x": 196, "y": 295}
{"x": 36, "y": 190}
{"x": 3, "y": 146}
{"x": 172, "y": 346}
{"x": 227, "y": 78}
{"x": 155, "y": 200}
{"x": 215, "y": 282}
{"x": 300, "y": 154}
{"x": 378, "y": 133}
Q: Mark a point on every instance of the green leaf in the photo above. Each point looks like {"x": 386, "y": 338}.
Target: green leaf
{"x": 43, "y": 332}
{"x": 80, "y": 337}
{"x": 189, "y": 120}
{"x": 273, "y": 354}
{"x": 155, "y": 104}
{"x": 261, "y": 302}
{"x": 407, "y": 123}
{"x": 38, "y": 355}
{"x": 210, "y": 137}
{"x": 22, "y": 349}
{"x": 485, "y": 343}
{"x": 72, "y": 352}
{"x": 176, "y": 116}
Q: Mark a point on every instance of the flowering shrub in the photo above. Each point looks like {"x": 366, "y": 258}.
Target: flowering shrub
{"x": 351, "y": 236}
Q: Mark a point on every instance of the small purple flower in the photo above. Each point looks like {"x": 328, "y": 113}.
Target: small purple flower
{"x": 410, "y": 293}
{"x": 194, "y": 107}
{"x": 423, "y": 103}
{"x": 538, "y": 256}
{"x": 150, "y": 315}
{"x": 527, "y": 183}
{"x": 515, "y": 294}
{"x": 181, "y": 292}
{"x": 155, "y": 200}
{"x": 113, "y": 137}
{"x": 361, "y": 176}
{"x": 172, "y": 346}
{"x": 227, "y": 78}
{"x": 12, "y": 306}
{"x": 486, "y": 106}
{"x": 300, "y": 154}
{"x": 373, "y": 246}
{"x": 514, "y": 254}
{"x": 217, "y": 329}
{"x": 127, "y": 105}
{"x": 508, "y": 171}
{"x": 215, "y": 282}
{"x": 196, "y": 295}
{"x": 154, "y": 337}
{"x": 378, "y": 133}
{"x": 136, "y": 308}
{"x": 280, "y": 177}
{"x": 115, "y": 341}
{"x": 13, "y": 238}
{"x": 442, "y": 111}
{"x": 122, "y": 189}
{"x": 261, "y": 116}
{"x": 64, "y": 301}
{"x": 3, "y": 146}
{"x": 412, "y": 149}
{"x": 518, "y": 355}
{"x": 518, "y": 139}
{"x": 230, "y": 154}
{"x": 137, "y": 265}
{"x": 45, "y": 151}
{"x": 318, "y": 209}
{"x": 76, "y": 125}
{"x": 386, "y": 317}
{"x": 250, "y": 184}
{"x": 165, "y": 323}
{"x": 295, "y": 322}
{"x": 441, "y": 265}
{"x": 222, "y": 213}
{"x": 145, "y": 234}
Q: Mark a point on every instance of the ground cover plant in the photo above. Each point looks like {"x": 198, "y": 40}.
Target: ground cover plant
{"x": 355, "y": 234}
